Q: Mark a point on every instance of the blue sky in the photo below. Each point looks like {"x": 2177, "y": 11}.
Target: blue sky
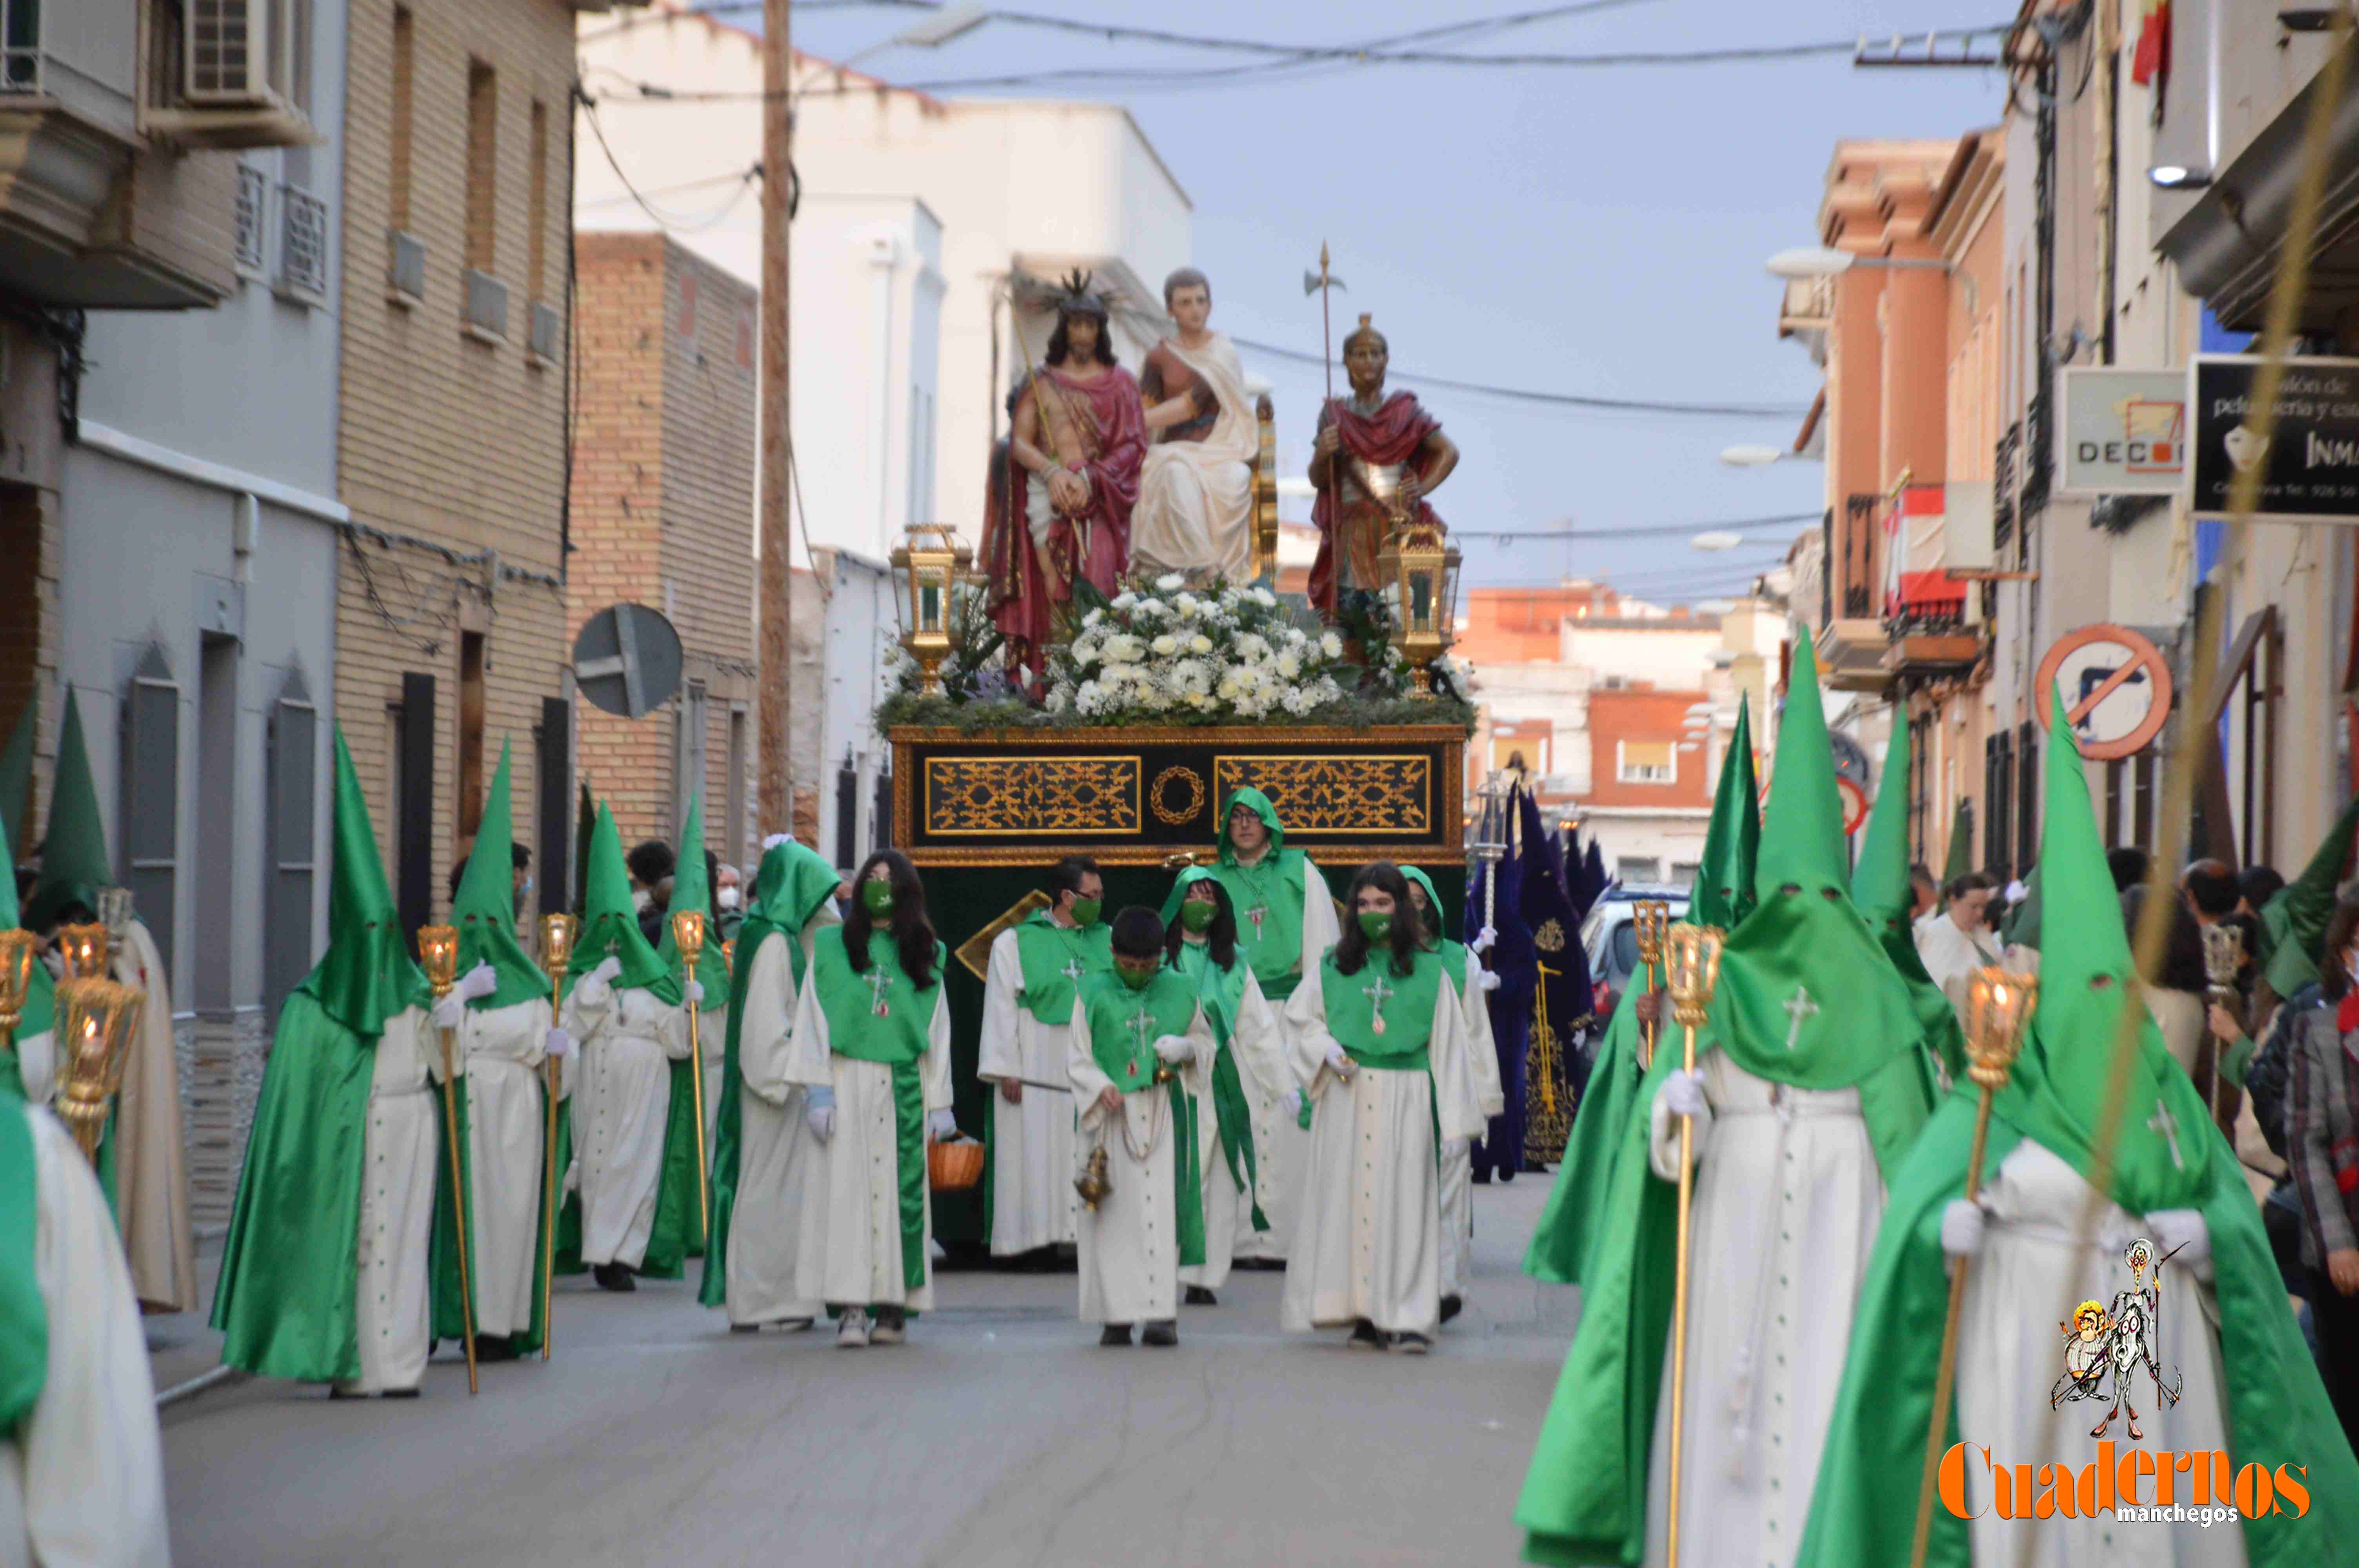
{"x": 1598, "y": 231}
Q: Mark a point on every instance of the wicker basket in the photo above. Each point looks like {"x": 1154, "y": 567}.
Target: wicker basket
{"x": 954, "y": 1166}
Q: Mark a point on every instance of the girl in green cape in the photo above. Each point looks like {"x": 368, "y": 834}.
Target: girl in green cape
{"x": 1378, "y": 1035}
{"x": 872, "y": 1048}
{"x": 1137, "y": 1050}
{"x": 2202, "y": 1314}
{"x": 634, "y": 1132}
{"x": 325, "y": 1273}
{"x": 1471, "y": 983}
{"x": 763, "y": 1152}
{"x": 1249, "y": 1074}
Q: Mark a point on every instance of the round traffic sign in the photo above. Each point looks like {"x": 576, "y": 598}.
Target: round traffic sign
{"x": 627, "y": 660}
{"x": 2116, "y": 687}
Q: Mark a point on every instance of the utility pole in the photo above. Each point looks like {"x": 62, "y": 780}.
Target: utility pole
{"x": 773, "y": 698}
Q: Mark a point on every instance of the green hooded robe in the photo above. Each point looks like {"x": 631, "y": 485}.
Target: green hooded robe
{"x": 1882, "y": 889}
{"x": 24, "y": 1315}
{"x": 17, "y": 777}
{"x": 1584, "y": 1498}
{"x": 1273, "y": 888}
{"x": 1863, "y": 1508}
{"x": 39, "y": 1016}
{"x": 791, "y": 887}
{"x": 73, "y": 854}
{"x": 2293, "y": 922}
{"x": 291, "y": 1263}
{"x": 1722, "y": 896}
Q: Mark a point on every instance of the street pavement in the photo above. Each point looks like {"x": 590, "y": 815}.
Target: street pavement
{"x": 1000, "y": 1435}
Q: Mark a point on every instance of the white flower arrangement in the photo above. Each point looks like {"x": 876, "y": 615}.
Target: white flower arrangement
{"x": 1206, "y": 655}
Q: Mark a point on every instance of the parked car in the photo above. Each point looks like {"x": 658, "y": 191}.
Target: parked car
{"x": 1611, "y": 939}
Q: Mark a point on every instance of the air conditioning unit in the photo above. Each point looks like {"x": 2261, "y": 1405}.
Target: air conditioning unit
{"x": 246, "y": 54}
{"x": 487, "y": 307}
{"x": 407, "y": 274}
{"x": 548, "y": 332}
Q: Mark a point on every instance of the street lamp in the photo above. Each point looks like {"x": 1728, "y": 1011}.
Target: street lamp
{"x": 2178, "y": 177}
{"x": 1823, "y": 261}
{"x": 949, "y": 22}
{"x": 1751, "y": 457}
{"x": 1717, "y": 541}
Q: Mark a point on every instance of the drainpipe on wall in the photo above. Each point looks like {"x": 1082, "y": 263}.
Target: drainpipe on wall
{"x": 883, "y": 256}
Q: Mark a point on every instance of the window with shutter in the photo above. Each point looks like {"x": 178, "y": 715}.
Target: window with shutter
{"x": 1646, "y": 761}
{"x": 289, "y": 834}
{"x": 149, "y": 792}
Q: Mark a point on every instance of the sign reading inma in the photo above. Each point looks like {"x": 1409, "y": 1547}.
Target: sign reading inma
{"x": 2308, "y": 463}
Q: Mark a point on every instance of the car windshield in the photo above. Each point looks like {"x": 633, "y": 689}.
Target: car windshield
{"x": 1626, "y": 948}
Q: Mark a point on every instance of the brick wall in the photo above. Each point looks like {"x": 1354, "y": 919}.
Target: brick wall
{"x": 441, "y": 436}
{"x": 1650, "y": 719}
{"x": 663, "y": 501}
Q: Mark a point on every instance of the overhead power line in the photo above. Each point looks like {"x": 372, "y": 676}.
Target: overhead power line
{"x": 1558, "y": 399}
{"x": 1636, "y": 530}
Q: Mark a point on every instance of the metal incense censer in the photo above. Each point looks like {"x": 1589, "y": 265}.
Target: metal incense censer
{"x": 1096, "y": 1181}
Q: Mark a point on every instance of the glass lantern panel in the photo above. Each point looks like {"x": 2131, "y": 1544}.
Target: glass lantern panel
{"x": 929, "y": 607}
{"x": 1420, "y": 588}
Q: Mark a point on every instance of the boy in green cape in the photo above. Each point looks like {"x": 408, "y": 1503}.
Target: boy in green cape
{"x": 1137, "y": 1050}
{"x": 634, "y": 1104}
{"x": 1252, "y": 1083}
{"x": 1027, "y": 995}
{"x": 762, "y": 1153}
{"x": 2245, "y": 1389}
{"x": 1722, "y": 896}
{"x": 1811, "y": 1086}
{"x": 1471, "y": 983}
{"x": 325, "y": 1275}
{"x": 82, "y": 1473}
{"x": 502, "y": 1024}
{"x": 871, "y": 1048}
{"x": 1379, "y": 1036}
{"x": 1285, "y": 923}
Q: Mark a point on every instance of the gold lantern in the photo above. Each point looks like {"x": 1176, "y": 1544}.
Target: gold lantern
{"x": 1692, "y": 964}
{"x": 1420, "y": 572}
{"x": 930, "y": 564}
{"x": 688, "y": 934}
{"x": 83, "y": 950}
{"x": 115, "y": 906}
{"x": 1999, "y": 1002}
{"x": 438, "y": 954}
{"x": 18, "y": 949}
{"x": 95, "y": 1022}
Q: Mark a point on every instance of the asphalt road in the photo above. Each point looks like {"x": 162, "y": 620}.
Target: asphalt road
{"x": 1000, "y": 1435}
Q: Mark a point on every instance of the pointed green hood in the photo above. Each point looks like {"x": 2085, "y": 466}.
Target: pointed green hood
{"x": 1961, "y": 851}
{"x": 2293, "y": 923}
{"x": 16, "y": 776}
{"x": 609, "y": 923}
{"x": 2057, "y": 1091}
{"x": 1261, "y": 807}
{"x": 1881, "y": 888}
{"x": 73, "y": 854}
{"x": 485, "y": 911}
{"x": 1808, "y": 994}
{"x": 367, "y": 974}
{"x": 1723, "y": 893}
{"x": 39, "y": 1012}
{"x": 692, "y": 889}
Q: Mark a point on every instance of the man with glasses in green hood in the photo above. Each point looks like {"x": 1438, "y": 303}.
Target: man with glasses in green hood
{"x": 1285, "y": 923}
{"x": 1472, "y": 984}
{"x": 1027, "y": 995}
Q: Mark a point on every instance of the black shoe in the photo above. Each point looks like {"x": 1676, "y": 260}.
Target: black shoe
{"x": 494, "y": 1347}
{"x": 1161, "y": 1333}
{"x": 614, "y": 1277}
{"x": 401, "y": 1393}
{"x": 1115, "y": 1333}
{"x": 1365, "y": 1337}
{"x": 744, "y": 1328}
{"x": 1199, "y": 1296}
{"x": 1408, "y": 1343}
{"x": 1452, "y": 1306}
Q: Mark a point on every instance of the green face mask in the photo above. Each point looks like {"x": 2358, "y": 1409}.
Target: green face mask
{"x": 1136, "y": 978}
{"x": 1198, "y": 916}
{"x": 876, "y": 897}
{"x": 1087, "y": 910}
{"x": 1374, "y": 926}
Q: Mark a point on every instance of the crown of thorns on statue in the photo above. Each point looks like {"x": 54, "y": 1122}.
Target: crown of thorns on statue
{"x": 1075, "y": 297}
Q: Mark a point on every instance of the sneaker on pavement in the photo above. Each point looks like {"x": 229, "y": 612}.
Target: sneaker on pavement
{"x": 1452, "y": 1306}
{"x": 852, "y": 1332}
{"x": 1365, "y": 1336}
{"x": 1115, "y": 1333}
{"x": 614, "y": 1277}
{"x": 891, "y": 1326}
{"x": 1163, "y": 1333}
{"x": 1198, "y": 1295}
{"x": 1408, "y": 1343}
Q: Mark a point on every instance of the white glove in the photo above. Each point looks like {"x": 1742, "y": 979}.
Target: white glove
{"x": 820, "y": 1120}
{"x": 2182, "y": 1231}
{"x": 941, "y": 1126}
{"x": 1292, "y": 1100}
{"x": 558, "y": 1045}
{"x": 1176, "y": 1049}
{"x": 1484, "y": 940}
{"x": 1340, "y": 1063}
{"x": 1961, "y": 1228}
{"x": 1683, "y": 1094}
{"x": 479, "y": 981}
{"x": 1490, "y": 980}
{"x": 608, "y": 968}
{"x": 694, "y": 992}
{"x": 450, "y": 1009}
{"x": 775, "y": 839}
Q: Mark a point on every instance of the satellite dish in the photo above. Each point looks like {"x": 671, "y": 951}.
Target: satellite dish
{"x": 627, "y": 660}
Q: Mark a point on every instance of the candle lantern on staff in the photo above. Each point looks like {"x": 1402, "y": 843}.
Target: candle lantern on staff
{"x": 688, "y": 934}
{"x": 558, "y": 934}
{"x": 438, "y": 953}
{"x": 18, "y": 949}
{"x": 1650, "y": 921}
{"x": 1999, "y": 1003}
{"x": 1691, "y": 964}
{"x": 95, "y": 1020}
{"x": 2224, "y": 960}
{"x": 83, "y": 951}
{"x": 115, "y": 905}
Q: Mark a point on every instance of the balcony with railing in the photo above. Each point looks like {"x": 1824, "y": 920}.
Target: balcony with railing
{"x": 2003, "y": 480}
{"x": 1850, "y": 643}
{"x": 1927, "y": 632}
